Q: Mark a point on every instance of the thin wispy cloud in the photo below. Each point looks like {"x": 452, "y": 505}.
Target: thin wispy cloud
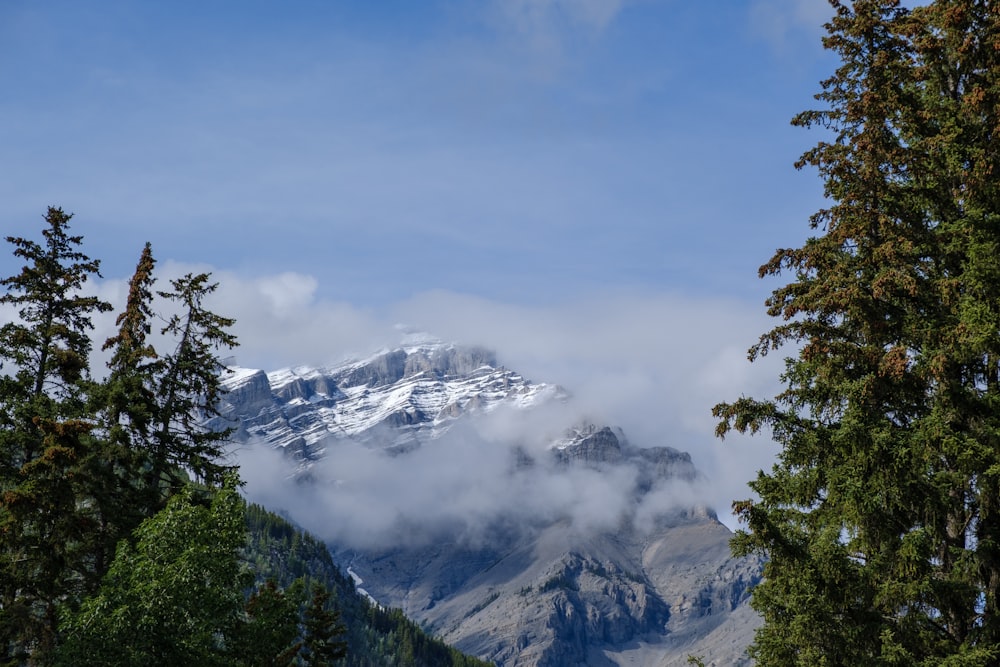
{"x": 540, "y": 16}
{"x": 786, "y": 23}
{"x": 347, "y": 143}
{"x": 543, "y": 34}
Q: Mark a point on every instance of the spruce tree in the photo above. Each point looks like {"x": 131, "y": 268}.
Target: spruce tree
{"x": 125, "y": 408}
{"x": 46, "y": 497}
{"x": 128, "y": 403}
{"x": 880, "y": 519}
{"x": 269, "y": 636}
{"x": 322, "y": 636}
{"x": 189, "y": 385}
{"x": 46, "y": 353}
{"x": 49, "y": 540}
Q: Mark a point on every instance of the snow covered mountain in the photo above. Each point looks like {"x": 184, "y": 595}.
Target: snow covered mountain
{"x": 650, "y": 587}
{"x": 393, "y": 399}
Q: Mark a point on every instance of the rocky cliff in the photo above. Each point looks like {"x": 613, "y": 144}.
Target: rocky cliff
{"x": 393, "y": 399}
{"x": 552, "y": 594}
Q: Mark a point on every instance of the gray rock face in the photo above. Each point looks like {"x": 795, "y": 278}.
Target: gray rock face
{"x": 527, "y": 593}
{"x": 591, "y": 446}
{"x": 393, "y": 400}
{"x": 556, "y": 597}
{"x": 602, "y": 447}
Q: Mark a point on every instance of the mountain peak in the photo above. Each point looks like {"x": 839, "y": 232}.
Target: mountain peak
{"x": 417, "y": 391}
{"x": 411, "y": 337}
{"x": 589, "y": 550}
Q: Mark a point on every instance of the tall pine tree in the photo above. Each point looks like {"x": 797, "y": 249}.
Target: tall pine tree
{"x": 880, "y": 519}
{"x": 189, "y": 385}
{"x": 322, "y": 639}
{"x": 124, "y": 405}
{"x": 45, "y": 353}
{"x": 128, "y": 403}
{"x": 83, "y": 463}
{"x": 45, "y": 499}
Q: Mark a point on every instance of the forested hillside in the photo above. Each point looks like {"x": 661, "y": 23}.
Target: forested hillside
{"x": 123, "y": 536}
{"x": 374, "y": 635}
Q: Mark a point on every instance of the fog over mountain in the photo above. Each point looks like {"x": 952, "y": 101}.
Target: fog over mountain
{"x": 455, "y": 488}
{"x": 653, "y": 364}
{"x": 489, "y": 509}
{"x": 525, "y": 521}
{"x": 428, "y": 441}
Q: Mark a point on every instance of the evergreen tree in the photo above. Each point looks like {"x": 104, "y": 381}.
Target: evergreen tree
{"x": 268, "y": 638}
{"x": 322, "y": 630}
{"x": 49, "y": 540}
{"x": 125, "y": 406}
{"x": 189, "y": 385}
{"x": 83, "y": 464}
{"x": 880, "y": 519}
{"x": 128, "y": 404}
{"x": 176, "y": 597}
{"x": 45, "y": 513}
{"x": 47, "y": 350}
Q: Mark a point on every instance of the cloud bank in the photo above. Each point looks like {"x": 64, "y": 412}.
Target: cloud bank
{"x": 462, "y": 487}
{"x": 653, "y": 364}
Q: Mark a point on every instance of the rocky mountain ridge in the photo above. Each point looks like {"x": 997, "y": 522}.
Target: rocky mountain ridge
{"x": 657, "y": 586}
{"x": 395, "y": 398}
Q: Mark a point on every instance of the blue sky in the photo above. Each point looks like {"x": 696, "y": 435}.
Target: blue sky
{"x": 587, "y": 185}
{"x": 525, "y": 150}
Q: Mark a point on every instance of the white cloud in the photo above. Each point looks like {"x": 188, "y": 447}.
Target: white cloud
{"x": 546, "y": 27}
{"x": 279, "y": 320}
{"x": 653, "y": 364}
{"x": 531, "y": 16}
{"x": 458, "y": 487}
{"x": 288, "y": 292}
{"x": 781, "y": 21}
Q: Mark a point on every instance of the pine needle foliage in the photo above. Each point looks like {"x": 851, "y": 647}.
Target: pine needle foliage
{"x": 322, "y": 629}
{"x": 881, "y": 518}
{"x": 190, "y": 383}
{"x": 83, "y": 463}
{"x": 45, "y": 445}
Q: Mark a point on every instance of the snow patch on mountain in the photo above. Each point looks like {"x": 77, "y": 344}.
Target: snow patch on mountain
{"x": 394, "y": 398}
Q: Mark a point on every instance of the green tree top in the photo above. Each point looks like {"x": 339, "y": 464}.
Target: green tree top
{"x": 189, "y": 384}
{"x": 50, "y": 344}
{"x": 176, "y": 596}
{"x": 323, "y": 630}
{"x": 129, "y": 404}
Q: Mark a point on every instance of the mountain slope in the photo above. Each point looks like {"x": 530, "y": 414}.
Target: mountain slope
{"x": 375, "y": 636}
{"x": 623, "y": 568}
{"x": 555, "y": 594}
